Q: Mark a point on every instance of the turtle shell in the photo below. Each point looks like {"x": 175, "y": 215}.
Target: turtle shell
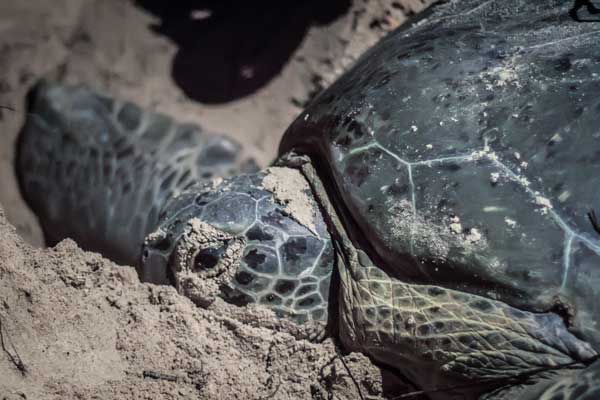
{"x": 464, "y": 150}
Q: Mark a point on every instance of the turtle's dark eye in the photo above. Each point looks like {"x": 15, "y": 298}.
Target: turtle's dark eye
{"x": 208, "y": 258}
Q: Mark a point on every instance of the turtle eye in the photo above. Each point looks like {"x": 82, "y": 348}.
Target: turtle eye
{"x": 208, "y": 258}
{"x": 206, "y": 252}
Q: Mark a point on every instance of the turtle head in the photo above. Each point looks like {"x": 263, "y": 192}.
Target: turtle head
{"x": 256, "y": 238}
{"x": 198, "y": 258}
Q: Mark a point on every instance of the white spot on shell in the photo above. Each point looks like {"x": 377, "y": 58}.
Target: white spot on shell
{"x": 564, "y": 196}
{"x": 474, "y": 235}
{"x": 544, "y": 202}
{"x": 490, "y": 209}
{"x": 455, "y": 226}
{"x": 556, "y": 138}
{"x": 494, "y": 177}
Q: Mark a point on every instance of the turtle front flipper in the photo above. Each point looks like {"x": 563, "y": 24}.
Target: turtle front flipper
{"x": 445, "y": 340}
{"x": 99, "y": 170}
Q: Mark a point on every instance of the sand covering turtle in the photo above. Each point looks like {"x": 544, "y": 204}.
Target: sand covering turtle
{"x": 444, "y": 182}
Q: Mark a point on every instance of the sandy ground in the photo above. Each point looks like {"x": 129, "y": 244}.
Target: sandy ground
{"x": 74, "y": 325}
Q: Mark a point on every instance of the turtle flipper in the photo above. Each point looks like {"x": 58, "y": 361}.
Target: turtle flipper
{"x": 583, "y": 384}
{"x": 99, "y": 170}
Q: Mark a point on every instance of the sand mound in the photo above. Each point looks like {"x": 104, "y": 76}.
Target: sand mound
{"x": 75, "y": 325}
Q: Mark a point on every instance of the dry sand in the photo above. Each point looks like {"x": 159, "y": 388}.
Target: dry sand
{"x": 74, "y": 325}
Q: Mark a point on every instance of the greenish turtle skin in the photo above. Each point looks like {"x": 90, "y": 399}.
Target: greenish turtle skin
{"x": 448, "y": 176}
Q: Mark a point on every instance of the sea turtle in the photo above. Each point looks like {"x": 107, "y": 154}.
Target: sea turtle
{"x": 446, "y": 180}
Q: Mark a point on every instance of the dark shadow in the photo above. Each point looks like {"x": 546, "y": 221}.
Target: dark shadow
{"x": 589, "y": 6}
{"x": 229, "y": 49}
{"x": 594, "y": 221}
{"x": 394, "y": 385}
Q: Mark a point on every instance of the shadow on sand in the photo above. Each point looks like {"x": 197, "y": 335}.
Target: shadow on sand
{"x": 229, "y": 49}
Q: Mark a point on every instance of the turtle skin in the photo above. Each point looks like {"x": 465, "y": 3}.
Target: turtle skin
{"x": 462, "y": 156}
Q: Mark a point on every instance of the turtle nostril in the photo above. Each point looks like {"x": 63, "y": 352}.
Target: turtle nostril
{"x": 208, "y": 258}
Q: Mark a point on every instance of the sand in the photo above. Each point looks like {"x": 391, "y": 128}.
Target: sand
{"x": 75, "y": 325}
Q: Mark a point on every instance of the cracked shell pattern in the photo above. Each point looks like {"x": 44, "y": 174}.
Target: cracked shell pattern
{"x": 466, "y": 149}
